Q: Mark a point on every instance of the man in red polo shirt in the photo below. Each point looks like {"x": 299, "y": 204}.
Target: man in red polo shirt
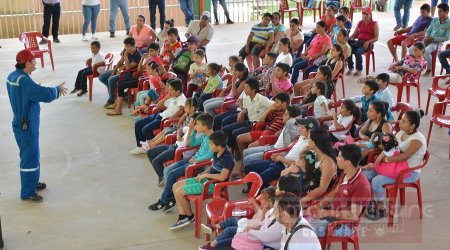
{"x": 347, "y": 200}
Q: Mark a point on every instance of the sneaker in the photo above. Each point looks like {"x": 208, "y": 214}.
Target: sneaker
{"x": 160, "y": 181}
{"x": 128, "y": 32}
{"x": 112, "y": 34}
{"x": 208, "y": 229}
{"x": 41, "y": 186}
{"x": 169, "y": 206}
{"x": 107, "y": 104}
{"x": 74, "y": 91}
{"x": 42, "y": 42}
{"x": 206, "y": 247}
{"x": 84, "y": 38}
{"x": 82, "y": 92}
{"x": 157, "y": 206}
{"x": 371, "y": 210}
{"x": 216, "y": 22}
{"x": 94, "y": 37}
{"x": 349, "y": 72}
{"x": 362, "y": 80}
{"x": 357, "y": 73}
{"x": 111, "y": 106}
{"x": 397, "y": 27}
{"x": 229, "y": 21}
{"x": 138, "y": 151}
{"x": 180, "y": 223}
{"x": 35, "y": 198}
{"x": 56, "y": 40}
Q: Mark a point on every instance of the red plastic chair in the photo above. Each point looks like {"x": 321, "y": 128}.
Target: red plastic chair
{"x": 354, "y": 239}
{"x": 109, "y": 59}
{"x": 409, "y": 80}
{"x": 314, "y": 9}
{"x": 402, "y": 108}
{"x": 357, "y": 5}
{"x": 370, "y": 54}
{"x": 439, "y": 117}
{"x": 192, "y": 171}
{"x": 437, "y": 90}
{"x": 284, "y": 8}
{"x": 392, "y": 190}
{"x": 29, "y": 40}
{"x": 215, "y": 210}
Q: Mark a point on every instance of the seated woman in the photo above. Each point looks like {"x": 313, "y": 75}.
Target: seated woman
{"x": 295, "y": 34}
{"x": 376, "y": 122}
{"x": 233, "y": 89}
{"x": 413, "y": 63}
{"x": 413, "y": 147}
{"x": 320, "y": 44}
{"x": 365, "y": 34}
{"x": 143, "y": 34}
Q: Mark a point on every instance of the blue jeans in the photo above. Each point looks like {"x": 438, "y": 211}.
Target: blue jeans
{"x": 377, "y": 181}
{"x": 443, "y": 59}
{"x": 111, "y": 81}
{"x": 320, "y": 227}
{"x": 221, "y": 118}
{"x": 177, "y": 169}
{"x": 234, "y": 129}
{"x": 90, "y": 14}
{"x": 114, "y": 5}
{"x": 406, "y": 5}
{"x": 223, "y": 3}
{"x": 358, "y": 52}
{"x": 298, "y": 65}
{"x": 267, "y": 169}
{"x": 434, "y": 2}
{"x": 254, "y": 154}
{"x": 162, "y": 12}
{"x": 143, "y": 129}
{"x": 186, "y": 7}
{"x": 160, "y": 154}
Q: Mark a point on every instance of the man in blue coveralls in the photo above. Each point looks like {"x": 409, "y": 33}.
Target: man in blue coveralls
{"x": 25, "y": 95}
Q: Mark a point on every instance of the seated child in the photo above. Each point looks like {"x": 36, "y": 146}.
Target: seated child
{"x": 390, "y": 148}
{"x": 273, "y": 115}
{"x": 222, "y": 164}
{"x": 151, "y": 56}
{"x": 348, "y": 113}
{"x": 279, "y": 80}
{"x": 305, "y": 168}
{"x": 368, "y": 90}
{"x": 171, "y": 47}
{"x": 214, "y": 82}
{"x": 230, "y": 226}
{"x": 347, "y": 200}
{"x": 202, "y": 125}
{"x": 197, "y": 72}
{"x": 232, "y": 60}
{"x": 155, "y": 83}
{"x": 190, "y": 109}
{"x": 97, "y": 60}
{"x": 174, "y": 104}
{"x": 321, "y": 103}
{"x": 286, "y": 136}
{"x": 264, "y": 72}
{"x": 144, "y": 100}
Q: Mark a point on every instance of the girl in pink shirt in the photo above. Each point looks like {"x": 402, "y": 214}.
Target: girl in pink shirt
{"x": 279, "y": 81}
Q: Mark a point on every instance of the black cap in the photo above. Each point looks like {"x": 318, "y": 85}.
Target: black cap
{"x": 310, "y": 122}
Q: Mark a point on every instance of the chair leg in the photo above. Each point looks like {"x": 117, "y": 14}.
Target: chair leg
{"x": 402, "y": 196}
{"x": 408, "y": 93}
{"x": 367, "y": 63}
{"x": 343, "y": 87}
{"x": 373, "y": 61}
{"x": 392, "y": 197}
{"x": 419, "y": 198}
{"x": 51, "y": 59}
{"x": 418, "y": 94}
{"x": 198, "y": 216}
{"x": 428, "y": 103}
{"x": 208, "y": 222}
{"x": 429, "y": 132}
{"x": 42, "y": 61}
{"x": 344, "y": 246}
{"x": 91, "y": 81}
{"x": 356, "y": 241}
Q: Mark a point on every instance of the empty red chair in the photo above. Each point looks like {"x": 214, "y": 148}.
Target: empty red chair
{"x": 314, "y": 9}
{"x": 29, "y": 40}
{"x": 109, "y": 59}
{"x": 215, "y": 209}
{"x": 399, "y": 185}
{"x": 284, "y": 8}
{"x": 358, "y": 5}
{"x": 437, "y": 90}
{"x": 439, "y": 117}
{"x": 409, "y": 80}
{"x": 192, "y": 171}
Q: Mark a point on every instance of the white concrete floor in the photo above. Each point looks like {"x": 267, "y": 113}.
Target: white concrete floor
{"x": 98, "y": 194}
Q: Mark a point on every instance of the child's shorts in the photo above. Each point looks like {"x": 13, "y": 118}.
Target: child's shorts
{"x": 169, "y": 130}
{"x": 193, "y": 187}
{"x": 255, "y": 135}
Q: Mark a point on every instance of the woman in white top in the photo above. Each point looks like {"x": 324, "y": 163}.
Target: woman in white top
{"x": 295, "y": 35}
{"x": 91, "y": 8}
{"x": 298, "y": 233}
{"x": 413, "y": 147}
{"x": 285, "y": 52}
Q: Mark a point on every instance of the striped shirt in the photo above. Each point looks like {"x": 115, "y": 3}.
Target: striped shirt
{"x": 261, "y": 33}
{"x": 275, "y": 118}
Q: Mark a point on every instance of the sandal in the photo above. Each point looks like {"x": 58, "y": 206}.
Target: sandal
{"x": 111, "y": 106}
{"x": 113, "y": 113}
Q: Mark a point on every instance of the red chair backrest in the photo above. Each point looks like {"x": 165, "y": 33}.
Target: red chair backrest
{"x": 109, "y": 59}
{"x": 29, "y": 39}
{"x": 256, "y": 182}
{"x": 400, "y": 107}
{"x": 284, "y": 5}
{"x": 227, "y": 78}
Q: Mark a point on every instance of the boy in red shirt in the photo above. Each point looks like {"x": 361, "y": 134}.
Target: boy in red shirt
{"x": 347, "y": 200}
{"x": 171, "y": 47}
